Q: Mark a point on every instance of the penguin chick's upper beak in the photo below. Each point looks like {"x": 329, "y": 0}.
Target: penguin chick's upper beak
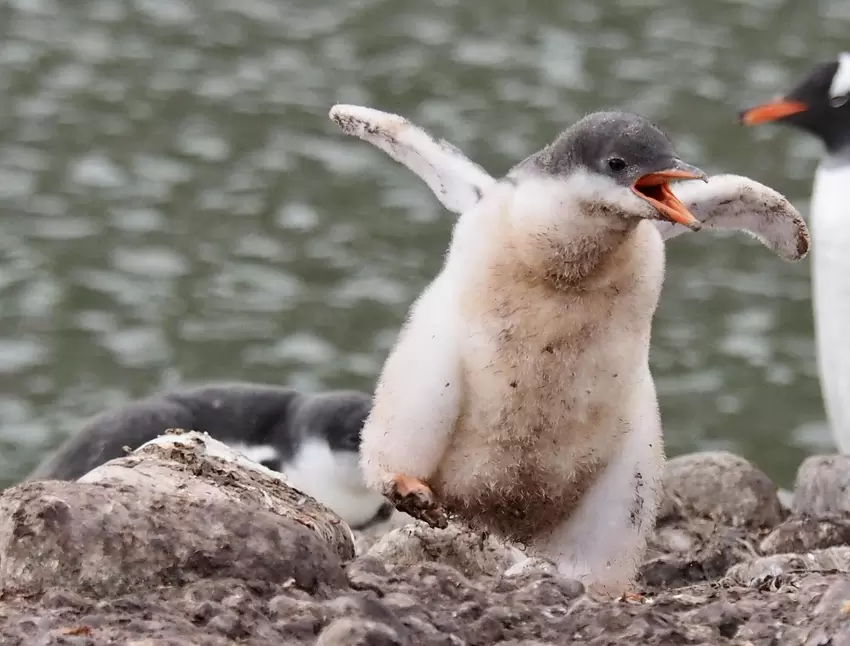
{"x": 771, "y": 111}
{"x": 654, "y": 188}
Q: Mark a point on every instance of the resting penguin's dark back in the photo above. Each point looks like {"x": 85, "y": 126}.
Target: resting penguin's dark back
{"x": 242, "y": 413}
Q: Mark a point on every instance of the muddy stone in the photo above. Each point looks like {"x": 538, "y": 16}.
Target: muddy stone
{"x": 715, "y": 509}
{"x": 779, "y": 568}
{"x": 805, "y": 534}
{"x": 710, "y": 550}
{"x": 472, "y": 553}
{"x": 822, "y": 487}
{"x": 364, "y": 539}
{"x": 177, "y": 515}
{"x": 358, "y": 632}
{"x": 721, "y": 487}
{"x": 426, "y": 587}
{"x": 92, "y": 541}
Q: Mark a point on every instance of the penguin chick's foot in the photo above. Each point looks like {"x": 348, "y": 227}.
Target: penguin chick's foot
{"x": 414, "y": 497}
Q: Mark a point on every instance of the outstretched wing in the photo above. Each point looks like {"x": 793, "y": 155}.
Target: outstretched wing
{"x": 725, "y": 202}
{"x": 417, "y": 399}
{"x": 457, "y": 181}
{"x": 736, "y": 202}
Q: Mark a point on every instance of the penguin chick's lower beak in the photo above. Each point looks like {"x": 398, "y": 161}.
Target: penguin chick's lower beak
{"x": 654, "y": 188}
{"x": 771, "y": 111}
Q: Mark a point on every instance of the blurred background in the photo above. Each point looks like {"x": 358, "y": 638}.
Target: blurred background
{"x": 176, "y": 206}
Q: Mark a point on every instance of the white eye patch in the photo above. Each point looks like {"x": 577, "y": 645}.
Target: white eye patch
{"x": 841, "y": 81}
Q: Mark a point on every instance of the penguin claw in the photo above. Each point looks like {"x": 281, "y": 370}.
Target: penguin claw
{"x": 414, "y": 497}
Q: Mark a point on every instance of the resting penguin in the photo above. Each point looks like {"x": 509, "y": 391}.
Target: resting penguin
{"x": 312, "y": 438}
{"x": 518, "y": 394}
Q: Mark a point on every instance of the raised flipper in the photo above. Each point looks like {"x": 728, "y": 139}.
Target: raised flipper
{"x": 740, "y": 203}
{"x": 456, "y": 180}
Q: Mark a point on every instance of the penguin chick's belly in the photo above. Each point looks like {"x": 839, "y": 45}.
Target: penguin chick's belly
{"x": 535, "y": 432}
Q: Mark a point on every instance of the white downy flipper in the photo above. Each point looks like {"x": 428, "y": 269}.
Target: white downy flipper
{"x": 725, "y": 202}
{"x": 417, "y": 398}
{"x": 457, "y": 181}
{"x": 740, "y": 203}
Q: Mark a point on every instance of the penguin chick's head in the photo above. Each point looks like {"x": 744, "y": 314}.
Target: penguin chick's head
{"x": 818, "y": 104}
{"x": 626, "y": 156}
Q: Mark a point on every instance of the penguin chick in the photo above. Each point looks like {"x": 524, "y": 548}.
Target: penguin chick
{"x": 518, "y": 394}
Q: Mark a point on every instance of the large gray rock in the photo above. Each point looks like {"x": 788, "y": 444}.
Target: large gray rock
{"x": 823, "y": 486}
{"x": 722, "y": 487}
{"x": 170, "y": 513}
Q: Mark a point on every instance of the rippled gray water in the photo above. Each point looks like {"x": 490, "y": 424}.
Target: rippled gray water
{"x": 176, "y": 206}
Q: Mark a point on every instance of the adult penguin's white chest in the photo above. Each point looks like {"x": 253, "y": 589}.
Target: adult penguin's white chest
{"x": 831, "y": 291}
{"x": 554, "y": 377}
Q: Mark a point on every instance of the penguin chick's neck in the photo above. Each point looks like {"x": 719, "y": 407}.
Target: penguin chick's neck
{"x": 569, "y": 232}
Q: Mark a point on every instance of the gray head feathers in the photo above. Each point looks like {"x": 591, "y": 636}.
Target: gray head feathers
{"x": 621, "y": 145}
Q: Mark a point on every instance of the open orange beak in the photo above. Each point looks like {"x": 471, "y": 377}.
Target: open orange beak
{"x": 654, "y": 188}
{"x": 771, "y": 111}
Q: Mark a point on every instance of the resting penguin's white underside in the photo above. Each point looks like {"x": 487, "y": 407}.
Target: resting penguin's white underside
{"x": 725, "y": 202}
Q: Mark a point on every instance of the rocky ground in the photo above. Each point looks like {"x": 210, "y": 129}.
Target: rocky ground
{"x": 175, "y": 546}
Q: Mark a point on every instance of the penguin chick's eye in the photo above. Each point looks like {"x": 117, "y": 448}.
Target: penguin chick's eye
{"x": 616, "y": 164}
{"x": 838, "y": 101}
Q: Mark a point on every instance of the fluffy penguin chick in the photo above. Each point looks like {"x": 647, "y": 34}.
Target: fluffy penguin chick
{"x": 518, "y": 395}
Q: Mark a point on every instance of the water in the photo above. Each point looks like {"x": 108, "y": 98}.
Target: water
{"x": 176, "y": 206}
